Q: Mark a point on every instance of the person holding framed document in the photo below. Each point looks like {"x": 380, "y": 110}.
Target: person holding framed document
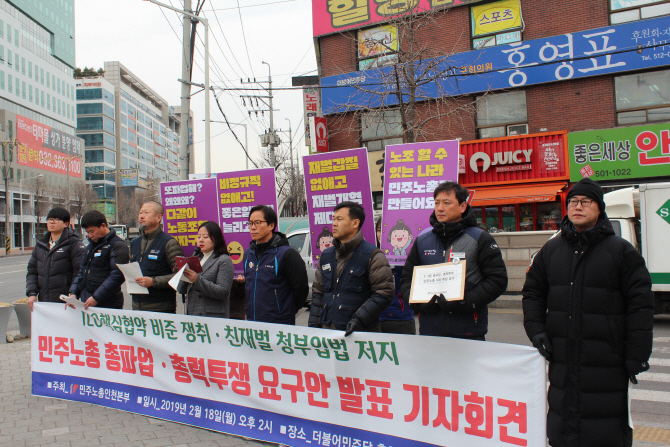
{"x": 454, "y": 271}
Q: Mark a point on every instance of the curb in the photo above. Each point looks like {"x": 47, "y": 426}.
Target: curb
{"x": 507, "y": 302}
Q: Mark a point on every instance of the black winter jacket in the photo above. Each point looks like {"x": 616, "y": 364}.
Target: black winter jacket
{"x": 591, "y": 293}
{"x": 99, "y": 276}
{"x": 50, "y": 272}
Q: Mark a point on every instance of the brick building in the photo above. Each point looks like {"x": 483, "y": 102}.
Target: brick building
{"x": 551, "y": 69}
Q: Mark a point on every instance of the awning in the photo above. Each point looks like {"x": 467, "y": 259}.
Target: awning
{"x": 503, "y": 195}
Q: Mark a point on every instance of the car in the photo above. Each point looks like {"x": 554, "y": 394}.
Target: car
{"x": 297, "y": 233}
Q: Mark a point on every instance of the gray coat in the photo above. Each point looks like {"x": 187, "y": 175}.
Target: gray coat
{"x": 209, "y": 296}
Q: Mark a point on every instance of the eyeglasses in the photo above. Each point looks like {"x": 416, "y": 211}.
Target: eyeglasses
{"x": 572, "y": 203}
{"x": 53, "y": 220}
{"x": 255, "y": 223}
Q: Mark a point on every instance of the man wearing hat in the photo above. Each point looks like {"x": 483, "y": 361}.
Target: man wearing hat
{"x": 588, "y": 308}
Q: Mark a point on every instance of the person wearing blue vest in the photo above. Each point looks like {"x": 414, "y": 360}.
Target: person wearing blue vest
{"x": 275, "y": 275}
{"x": 353, "y": 282}
{"x": 98, "y": 283}
{"x": 455, "y": 235}
{"x": 155, "y": 250}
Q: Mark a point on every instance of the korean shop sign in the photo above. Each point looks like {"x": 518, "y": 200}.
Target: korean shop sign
{"x": 495, "y": 17}
{"x": 291, "y": 385}
{"x": 377, "y": 41}
{"x": 612, "y": 49}
{"x": 620, "y": 153}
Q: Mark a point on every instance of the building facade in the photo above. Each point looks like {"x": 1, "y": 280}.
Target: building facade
{"x": 42, "y": 157}
{"x": 502, "y": 77}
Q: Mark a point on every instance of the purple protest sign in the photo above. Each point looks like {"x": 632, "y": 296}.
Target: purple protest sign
{"x": 187, "y": 204}
{"x": 331, "y": 178}
{"x": 238, "y": 192}
{"x": 411, "y": 174}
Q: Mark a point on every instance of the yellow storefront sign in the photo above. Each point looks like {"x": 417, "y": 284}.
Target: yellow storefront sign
{"x": 495, "y": 17}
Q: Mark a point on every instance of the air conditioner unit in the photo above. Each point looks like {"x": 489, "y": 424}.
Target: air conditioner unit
{"x": 517, "y": 129}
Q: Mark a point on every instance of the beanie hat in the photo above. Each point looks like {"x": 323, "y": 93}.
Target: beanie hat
{"x": 589, "y": 188}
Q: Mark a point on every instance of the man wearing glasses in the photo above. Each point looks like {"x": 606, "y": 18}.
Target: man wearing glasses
{"x": 588, "y": 308}
{"x": 55, "y": 260}
{"x": 274, "y": 273}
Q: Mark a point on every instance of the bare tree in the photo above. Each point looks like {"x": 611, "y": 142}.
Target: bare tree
{"x": 130, "y": 201}
{"x": 416, "y": 81}
{"x": 82, "y": 198}
{"x": 40, "y": 191}
{"x": 290, "y": 183}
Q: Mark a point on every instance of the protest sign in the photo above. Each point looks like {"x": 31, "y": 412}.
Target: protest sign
{"x": 332, "y": 178}
{"x": 411, "y": 174}
{"x": 289, "y": 384}
{"x": 238, "y": 192}
{"x": 188, "y": 203}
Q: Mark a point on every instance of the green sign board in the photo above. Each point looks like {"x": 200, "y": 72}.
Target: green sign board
{"x": 622, "y": 153}
{"x": 664, "y": 211}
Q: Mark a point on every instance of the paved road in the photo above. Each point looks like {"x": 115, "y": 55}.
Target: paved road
{"x": 27, "y": 420}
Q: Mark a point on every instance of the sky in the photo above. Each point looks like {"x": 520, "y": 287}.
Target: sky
{"x": 147, "y": 40}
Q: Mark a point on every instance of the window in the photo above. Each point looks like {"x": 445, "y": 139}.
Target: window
{"x": 42, "y": 98}
{"x": 108, "y": 125}
{"x": 107, "y": 110}
{"x": 124, "y": 120}
{"x": 89, "y": 93}
{"x": 123, "y": 107}
{"x": 9, "y": 33}
{"x": 89, "y": 108}
{"x": 30, "y": 93}
{"x": 23, "y": 66}
{"x": 30, "y": 70}
{"x": 42, "y": 76}
{"x": 495, "y": 113}
{"x": 17, "y": 67}
{"x": 110, "y": 141}
{"x": 622, "y": 11}
{"x": 17, "y": 84}
{"x": 16, "y": 38}
{"x": 49, "y": 81}
{"x": 2, "y": 54}
{"x": 381, "y": 128}
{"x": 643, "y": 98}
{"x": 2, "y": 80}
{"x": 92, "y": 139}
{"x": 109, "y": 97}
{"x": 23, "y": 89}
{"x": 124, "y": 133}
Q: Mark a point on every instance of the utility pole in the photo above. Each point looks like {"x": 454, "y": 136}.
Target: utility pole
{"x": 185, "y": 94}
{"x": 269, "y": 138}
{"x": 7, "y": 152}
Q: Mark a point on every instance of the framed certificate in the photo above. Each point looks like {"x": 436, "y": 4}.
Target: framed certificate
{"x": 447, "y": 279}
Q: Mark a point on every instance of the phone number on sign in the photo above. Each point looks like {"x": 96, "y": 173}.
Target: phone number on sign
{"x": 612, "y": 172}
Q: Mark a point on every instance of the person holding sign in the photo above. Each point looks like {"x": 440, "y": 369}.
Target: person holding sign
{"x": 275, "y": 275}
{"x": 155, "y": 250}
{"x": 588, "y": 308}
{"x": 208, "y": 293}
{"x": 353, "y": 283}
{"x": 98, "y": 283}
{"x": 454, "y": 238}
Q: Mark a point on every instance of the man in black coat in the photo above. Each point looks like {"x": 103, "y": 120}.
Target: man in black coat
{"x": 588, "y": 308}
{"x": 98, "y": 283}
{"x": 55, "y": 260}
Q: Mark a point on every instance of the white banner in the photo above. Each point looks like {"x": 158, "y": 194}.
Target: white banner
{"x": 290, "y": 384}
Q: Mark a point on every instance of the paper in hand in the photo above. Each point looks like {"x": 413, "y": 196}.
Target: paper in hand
{"x": 179, "y": 276}
{"x": 73, "y": 301}
{"x": 132, "y": 271}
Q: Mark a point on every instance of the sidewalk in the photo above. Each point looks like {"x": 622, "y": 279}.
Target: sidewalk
{"x": 16, "y": 252}
{"x": 26, "y": 420}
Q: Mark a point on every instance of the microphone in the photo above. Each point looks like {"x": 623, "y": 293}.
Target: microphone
{"x": 197, "y": 252}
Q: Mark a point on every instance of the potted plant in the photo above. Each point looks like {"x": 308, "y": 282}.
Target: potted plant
{"x": 23, "y": 314}
{"x": 5, "y": 313}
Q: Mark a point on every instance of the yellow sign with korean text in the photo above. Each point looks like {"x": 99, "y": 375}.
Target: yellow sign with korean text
{"x": 377, "y": 41}
{"x": 495, "y": 17}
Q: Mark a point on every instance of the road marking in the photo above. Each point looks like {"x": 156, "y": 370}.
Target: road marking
{"x": 662, "y": 350}
{"x": 651, "y": 396}
{"x": 662, "y": 339}
{"x": 659, "y": 362}
{"x": 13, "y": 271}
{"x": 654, "y": 377}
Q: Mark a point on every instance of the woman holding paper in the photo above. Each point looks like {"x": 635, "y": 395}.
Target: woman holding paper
{"x": 208, "y": 294}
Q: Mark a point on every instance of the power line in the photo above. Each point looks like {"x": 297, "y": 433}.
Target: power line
{"x": 251, "y": 6}
{"x": 239, "y": 11}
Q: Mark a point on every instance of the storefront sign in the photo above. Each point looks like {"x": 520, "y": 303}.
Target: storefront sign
{"x": 319, "y": 131}
{"x": 238, "y": 192}
{"x": 333, "y": 16}
{"x": 188, "y": 203}
{"x": 622, "y": 153}
{"x": 411, "y": 174}
{"x": 613, "y": 49}
{"x": 310, "y": 96}
{"x": 523, "y": 158}
{"x": 377, "y": 41}
{"x": 495, "y": 17}
{"x": 46, "y": 148}
{"x": 331, "y": 179}
{"x": 621, "y": 4}
{"x": 292, "y": 385}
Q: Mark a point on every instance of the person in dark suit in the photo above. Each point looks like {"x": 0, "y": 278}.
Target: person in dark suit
{"x": 208, "y": 294}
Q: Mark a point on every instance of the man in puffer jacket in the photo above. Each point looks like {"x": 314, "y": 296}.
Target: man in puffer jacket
{"x": 55, "y": 260}
{"x": 589, "y": 309}
{"x": 455, "y": 235}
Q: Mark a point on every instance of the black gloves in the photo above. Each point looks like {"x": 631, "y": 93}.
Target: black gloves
{"x": 431, "y": 307}
{"x": 543, "y": 344}
{"x": 354, "y": 325}
{"x": 635, "y": 367}
{"x": 314, "y": 317}
{"x": 450, "y": 306}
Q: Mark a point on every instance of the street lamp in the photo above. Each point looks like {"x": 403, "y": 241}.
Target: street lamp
{"x": 205, "y": 22}
{"x": 21, "y": 204}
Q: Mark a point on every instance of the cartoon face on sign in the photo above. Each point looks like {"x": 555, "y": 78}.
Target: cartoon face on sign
{"x": 400, "y": 237}
{"x": 325, "y": 239}
{"x": 236, "y": 252}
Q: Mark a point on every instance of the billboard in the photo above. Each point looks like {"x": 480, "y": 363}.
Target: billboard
{"x": 312, "y": 108}
{"x": 613, "y": 49}
{"x": 129, "y": 177}
{"x": 377, "y": 41}
{"x": 334, "y": 16}
{"x": 496, "y": 17}
{"x": 43, "y": 147}
{"x": 622, "y": 153}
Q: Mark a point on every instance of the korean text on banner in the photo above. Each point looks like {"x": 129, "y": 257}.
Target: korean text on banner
{"x": 188, "y": 203}
{"x": 238, "y": 192}
{"x": 289, "y": 384}
{"x": 495, "y": 17}
{"x": 43, "y": 147}
{"x": 411, "y": 174}
{"x": 330, "y": 179}
{"x": 621, "y": 153}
